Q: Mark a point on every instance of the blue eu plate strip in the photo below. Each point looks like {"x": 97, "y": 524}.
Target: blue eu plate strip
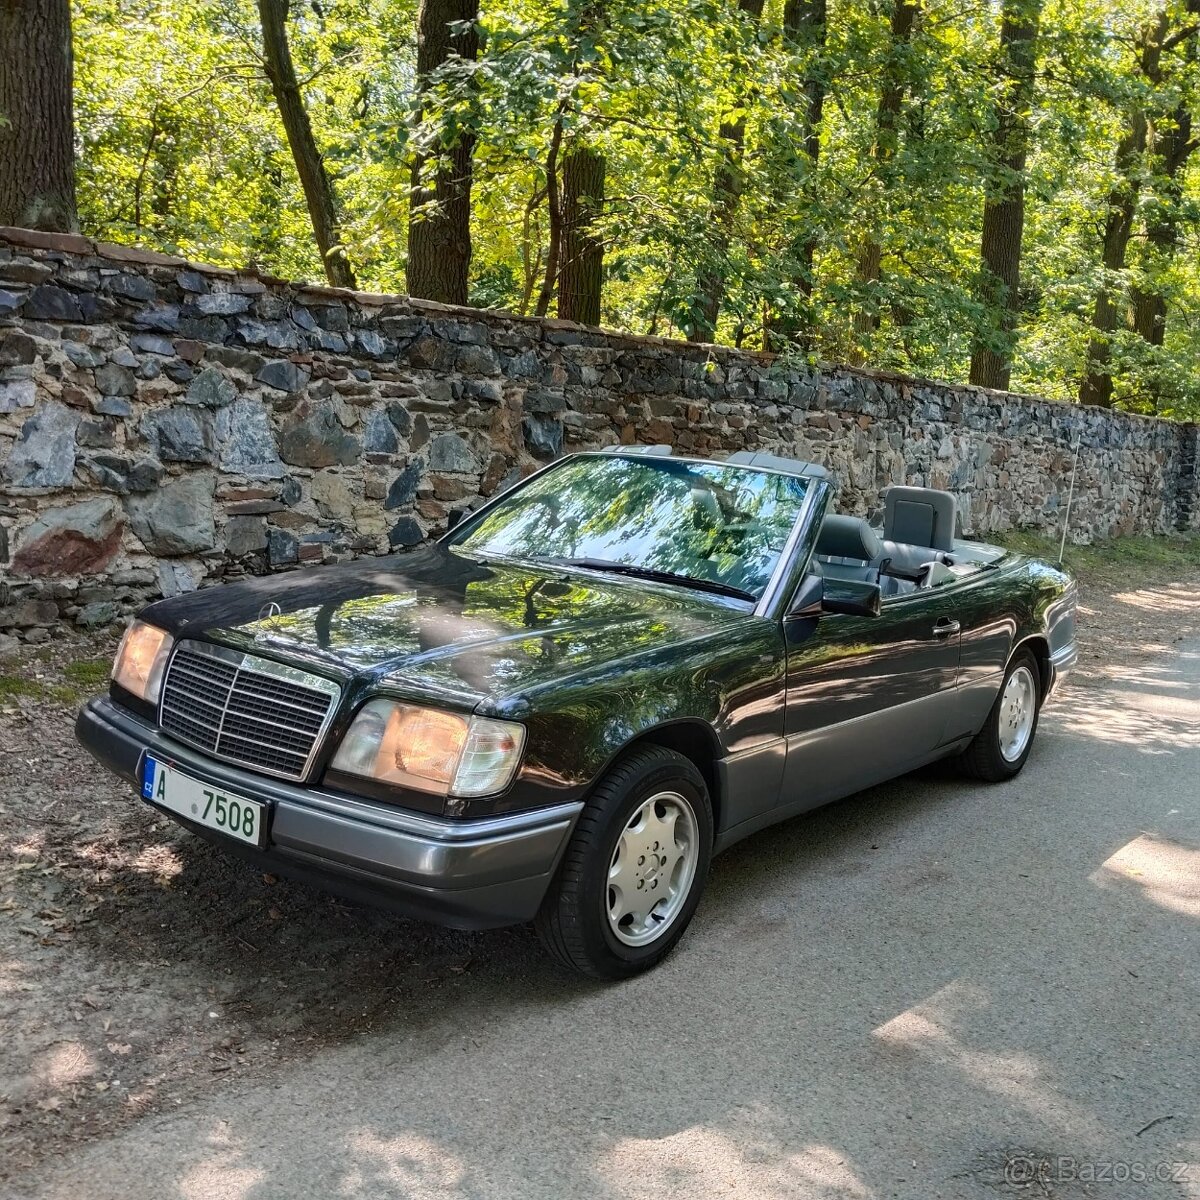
{"x": 148, "y": 777}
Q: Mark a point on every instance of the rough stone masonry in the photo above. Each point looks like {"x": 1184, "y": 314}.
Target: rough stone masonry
{"x": 165, "y": 424}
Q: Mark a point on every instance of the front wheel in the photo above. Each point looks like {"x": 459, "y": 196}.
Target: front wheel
{"x": 634, "y": 870}
{"x": 1001, "y": 747}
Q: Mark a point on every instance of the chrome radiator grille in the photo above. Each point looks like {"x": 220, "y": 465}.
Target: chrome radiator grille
{"x": 248, "y": 710}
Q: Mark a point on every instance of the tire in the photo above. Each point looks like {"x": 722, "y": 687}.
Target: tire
{"x": 580, "y": 921}
{"x": 1001, "y": 748}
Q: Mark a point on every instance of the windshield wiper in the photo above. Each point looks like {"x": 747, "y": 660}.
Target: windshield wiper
{"x": 636, "y": 572}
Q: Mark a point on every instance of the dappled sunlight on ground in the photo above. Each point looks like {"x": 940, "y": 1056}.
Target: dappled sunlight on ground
{"x": 156, "y": 859}
{"x": 891, "y": 997}
{"x": 27, "y": 847}
{"x": 1174, "y": 599}
{"x": 68, "y": 1062}
{"x": 1148, "y": 677}
{"x": 1134, "y": 723}
{"x": 701, "y": 1162}
{"x": 1146, "y": 704}
{"x": 1163, "y": 872}
{"x": 410, "y": 1165}
{"x": 12, "y": 975}
{"x": 163, "y": 862}
{"x": 224, "y": 1172}
{"x": 928, "y": 1029}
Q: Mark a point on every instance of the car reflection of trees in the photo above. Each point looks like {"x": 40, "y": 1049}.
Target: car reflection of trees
{"x": 720, "y": 677}
{"x": 517, "y": 623}
{"x": 855, "y": 674}
{"x": 702, "y": 519}
{"x": 576, "y": 622}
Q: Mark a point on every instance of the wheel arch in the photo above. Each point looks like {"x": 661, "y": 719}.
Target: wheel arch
{"x": 696, "y": 740}
{"x": 1039, "y": 646}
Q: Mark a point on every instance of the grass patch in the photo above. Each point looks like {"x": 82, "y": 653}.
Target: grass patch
{"x": 80, "y": 680}
{"x": 12, "y": 686}
{"x": 91, "y": 673}
{"x": 1161, "y": 556}
{"x": 83, "y": 678}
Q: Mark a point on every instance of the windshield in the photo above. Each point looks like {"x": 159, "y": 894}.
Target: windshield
{"x": 705, "y": 522}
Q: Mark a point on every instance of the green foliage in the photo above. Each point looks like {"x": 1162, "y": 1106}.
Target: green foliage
{"x": 81, "y": 679}
{"x": 1117, "y": 560}
{"x": 12, "y": 686}
{"x": 181, "y": 147}
{"x": 89, "y": 674}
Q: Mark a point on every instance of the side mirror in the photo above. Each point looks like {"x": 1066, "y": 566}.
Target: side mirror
{"x": 807, "y": 602}
{"x": 456, "y": 516}
{"x": 852, "y": 598}
{"x": 817, "y": 596}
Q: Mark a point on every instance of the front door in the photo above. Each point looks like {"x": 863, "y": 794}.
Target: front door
{"x": 868, "y": 698}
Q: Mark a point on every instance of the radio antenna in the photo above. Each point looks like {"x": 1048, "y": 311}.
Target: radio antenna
{"x": 1062, "y": 546}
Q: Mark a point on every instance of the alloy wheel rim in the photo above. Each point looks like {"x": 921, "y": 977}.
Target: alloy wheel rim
{"x": 1018, "y": 710}
{"x": 652, "y": 869}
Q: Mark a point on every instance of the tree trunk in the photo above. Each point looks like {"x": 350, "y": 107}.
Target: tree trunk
{"x": 804, "y": 33}
{"x": 727, "y": 190}
{"x": 869, "y": 264}
{"x": 1172, "y": 150}
{"x": 37, "y": 125}
{"x": 1097, "y": 385}
{"x": 583, "y": 18}
{"x": 1170, "y": 146}
{"x": 1004, "y": 202}
{"x": 1162, "y": 232}
{"x": 582, "y": 269}
{"x": 439, "y": 227}
{"x": 554, "y": 217}
{"x": 318, "y": 188}
{"x": 806, "y": 22}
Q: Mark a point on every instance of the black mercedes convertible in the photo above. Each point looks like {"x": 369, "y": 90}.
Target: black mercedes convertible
{"x": 590, "y": 685}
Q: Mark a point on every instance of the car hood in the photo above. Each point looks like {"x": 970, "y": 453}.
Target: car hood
{"x": 444, "y": 625}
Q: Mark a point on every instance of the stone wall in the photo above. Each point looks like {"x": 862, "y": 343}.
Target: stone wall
{"x": 164, "y": 424}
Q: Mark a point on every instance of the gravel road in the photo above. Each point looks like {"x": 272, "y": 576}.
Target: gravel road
{"x": 931, "y": 989}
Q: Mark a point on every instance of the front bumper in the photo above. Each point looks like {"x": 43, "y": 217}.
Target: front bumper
{"x": 473, "y": 874}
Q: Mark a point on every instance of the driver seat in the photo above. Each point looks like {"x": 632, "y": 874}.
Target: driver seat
{"x": 848, "y": 548}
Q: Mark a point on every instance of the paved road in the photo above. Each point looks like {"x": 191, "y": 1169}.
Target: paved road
{"x": 892, "y": 997}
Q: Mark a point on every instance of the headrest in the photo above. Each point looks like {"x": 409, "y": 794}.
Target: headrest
{"x": 919, "y": 516}
{"x": 848, "y": 537}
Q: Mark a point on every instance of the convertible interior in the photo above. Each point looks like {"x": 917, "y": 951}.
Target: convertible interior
{"x": 917, "y": 547}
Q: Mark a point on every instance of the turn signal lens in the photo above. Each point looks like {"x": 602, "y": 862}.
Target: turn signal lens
{"x": 489, "y": 758}
{"x": 430, "y": 750}
{"x": 141, "y": 660}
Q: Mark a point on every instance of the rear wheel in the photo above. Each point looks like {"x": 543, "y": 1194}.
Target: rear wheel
{"x": 634, "y": 870}
{"x": 1001, "y": 747}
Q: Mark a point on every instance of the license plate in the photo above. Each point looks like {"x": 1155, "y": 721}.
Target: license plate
{"x": 209, "y": 806}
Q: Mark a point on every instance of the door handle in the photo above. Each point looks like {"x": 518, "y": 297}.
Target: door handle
{"x": 945, "y": 627}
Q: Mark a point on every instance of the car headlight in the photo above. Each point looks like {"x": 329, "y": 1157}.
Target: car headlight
{"x": 430, "y": 750}
{"x": 141, "y": 660}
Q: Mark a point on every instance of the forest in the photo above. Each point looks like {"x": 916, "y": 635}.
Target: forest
{"x": 1005, "y": 192}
